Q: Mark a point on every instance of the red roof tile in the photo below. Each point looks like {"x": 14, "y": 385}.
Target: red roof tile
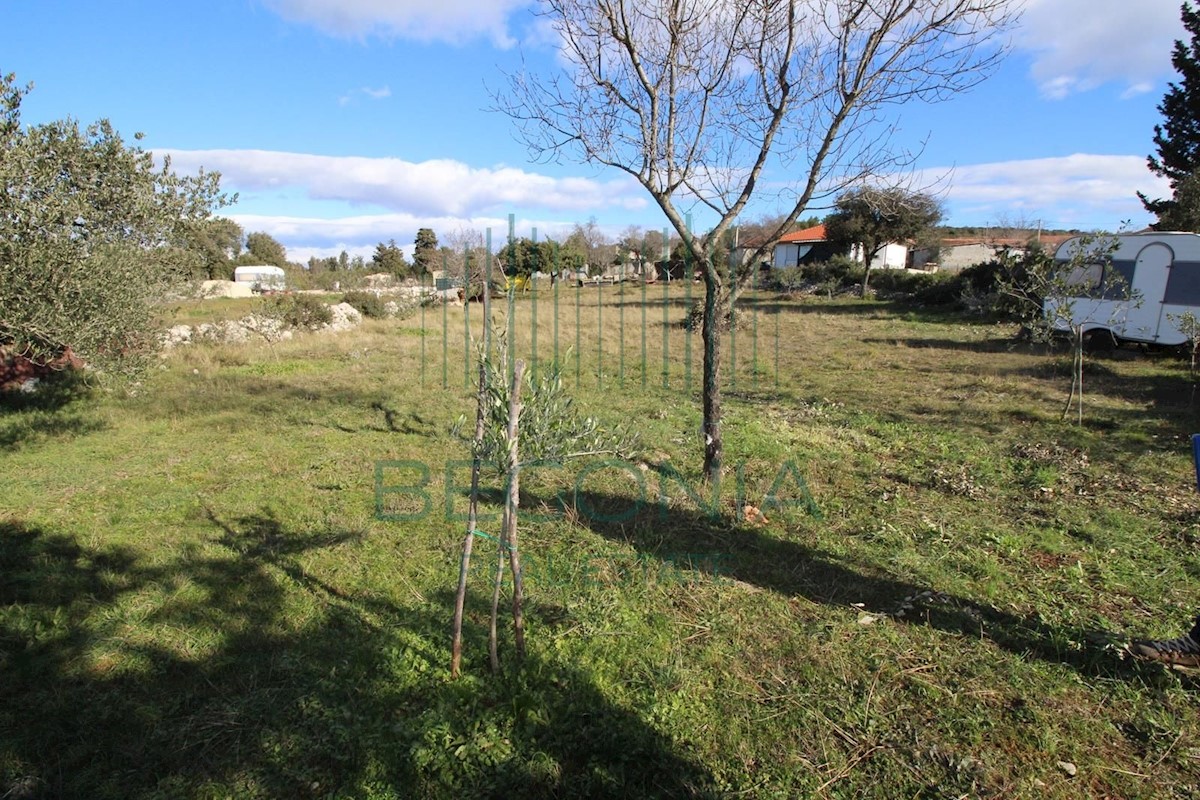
{"x": 816, "y": 234}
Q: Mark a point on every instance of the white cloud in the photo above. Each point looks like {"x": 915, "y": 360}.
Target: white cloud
{"x": 381, "y": 93}
{"x": 437, "y": 187}
{"x": 1079, "y": 190}
{"x": 301, "y": 254}
{"x": 1081, "y": 44}
{"x": 305, "y": 237}
{"x": 453, "y": 21}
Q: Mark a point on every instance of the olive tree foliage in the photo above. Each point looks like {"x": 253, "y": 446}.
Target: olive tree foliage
{"x": 523, "y": 256}
{"x": 218, "y": 243}
{"x": 92, "y": 237}
{"x": 263, "y": 248}
{"x": 1080, "y": 294}
{"x": 703, "y": 101}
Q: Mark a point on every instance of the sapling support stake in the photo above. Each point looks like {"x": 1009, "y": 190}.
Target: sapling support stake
{"x": 493, "y": 647}
{"x": 460, "y": 597}
{"x": 510, "y": 508}
{"x": 508, "y": 535}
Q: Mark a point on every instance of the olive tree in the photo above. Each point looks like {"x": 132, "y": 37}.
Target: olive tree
{"x": 93, "y": 235}
{"x": 708, "y": 102}
{"x": 1080, "y": 294}
{"x": 871, "y": 217}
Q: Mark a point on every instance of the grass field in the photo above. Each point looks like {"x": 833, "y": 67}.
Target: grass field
{"x": 237, "y": 580}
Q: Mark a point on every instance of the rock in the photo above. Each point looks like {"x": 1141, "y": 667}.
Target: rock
{"x": 269, "y": 328}
{"x": 177, "y": 335}
{"x": 345, "y": 317}
{"x": 215, "y": 289}
{"x": 1070, "y": 769}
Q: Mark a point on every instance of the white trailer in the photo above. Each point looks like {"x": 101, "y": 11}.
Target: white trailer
{"x": 262, "y": 278}
{"x": 1159, "y": 280}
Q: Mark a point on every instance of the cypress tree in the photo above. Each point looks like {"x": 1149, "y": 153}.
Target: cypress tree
{"x": 1177, "y": 139}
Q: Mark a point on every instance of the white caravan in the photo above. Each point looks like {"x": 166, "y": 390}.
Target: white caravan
{"x": 262, "y": 278}
{"x": 1159, "y": 271}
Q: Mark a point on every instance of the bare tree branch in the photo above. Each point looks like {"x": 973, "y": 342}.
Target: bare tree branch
{"x": 701, "y": 100}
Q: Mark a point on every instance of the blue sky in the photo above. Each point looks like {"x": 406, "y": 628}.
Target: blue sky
{"x": 343, "y": 123}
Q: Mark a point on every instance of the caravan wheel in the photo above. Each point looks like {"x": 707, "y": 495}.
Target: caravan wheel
{"x": 1100, "y": 340}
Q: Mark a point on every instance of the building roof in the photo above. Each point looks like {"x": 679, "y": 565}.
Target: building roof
{"x": 1048, "y": 240}
{"x": 806, "y": 236}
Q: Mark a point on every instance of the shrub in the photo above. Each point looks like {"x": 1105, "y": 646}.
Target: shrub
{"x": 839, "y": 272}
{"x": 88, "y": 233}
{"x": 302, "y": 311}
{"x": 787, "y": 279}
{"x": 902, "y": 283}
{"x": 945, "y": 292}
{"x": 368, "y": 304}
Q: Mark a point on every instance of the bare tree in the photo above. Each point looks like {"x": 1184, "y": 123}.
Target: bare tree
{"x": 698, "y": 99}
{"x": 593, "y": 243}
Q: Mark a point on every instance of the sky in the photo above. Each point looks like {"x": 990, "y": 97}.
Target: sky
{"x": 344, "y": 123}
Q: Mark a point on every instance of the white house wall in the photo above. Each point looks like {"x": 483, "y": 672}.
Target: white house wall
{"x": 789, "y": 255}
{"x": 893, "y": 256}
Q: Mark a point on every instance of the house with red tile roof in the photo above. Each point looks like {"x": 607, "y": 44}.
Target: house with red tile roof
{"x": 812, "y": 246}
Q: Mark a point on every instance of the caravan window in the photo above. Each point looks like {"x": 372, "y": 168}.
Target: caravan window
{"x": 1100, "y": 280}
{"x": 1183, "y": 284}
{"x": 1118, "y": 278}
{"x": 1083, "y": 280}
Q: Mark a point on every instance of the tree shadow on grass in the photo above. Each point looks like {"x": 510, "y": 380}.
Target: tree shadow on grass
{"x": 233, "y": 669}
{"x": 724, "y": 549}
{"x": 56, "y": 409}
{"x": 990, "y": 345}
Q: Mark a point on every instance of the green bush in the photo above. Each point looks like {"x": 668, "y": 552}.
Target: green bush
{"x": 302, "y": 311}
{"x": 902, "y": 283}
{"x": 839, "y": 272}
{"x": 85, "y": 220}
{"x": 945, "y": 292}
{"x": 787, "y": 279}
{"x": 368, "y": 304}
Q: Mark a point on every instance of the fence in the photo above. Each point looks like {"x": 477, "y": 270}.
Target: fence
{"x": 617, "y": 331}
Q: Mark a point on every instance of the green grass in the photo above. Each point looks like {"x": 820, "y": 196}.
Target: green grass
{"x": 198, "y": 597}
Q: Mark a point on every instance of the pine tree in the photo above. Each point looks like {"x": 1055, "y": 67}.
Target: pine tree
{"x": 1178, "y": 137}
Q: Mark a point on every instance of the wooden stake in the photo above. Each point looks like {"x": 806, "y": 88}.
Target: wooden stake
{"x": 464, "y": 566}
{"x": 511, "y": 506}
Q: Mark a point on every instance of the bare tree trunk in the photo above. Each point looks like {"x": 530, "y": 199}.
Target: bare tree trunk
{"x": 1076, "y": 375}
{"x": 510, "y": 507}
{"x": 1195, "y": 348}
{"x": 1079, "y": 373}
{"x": 711, "y": 335}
